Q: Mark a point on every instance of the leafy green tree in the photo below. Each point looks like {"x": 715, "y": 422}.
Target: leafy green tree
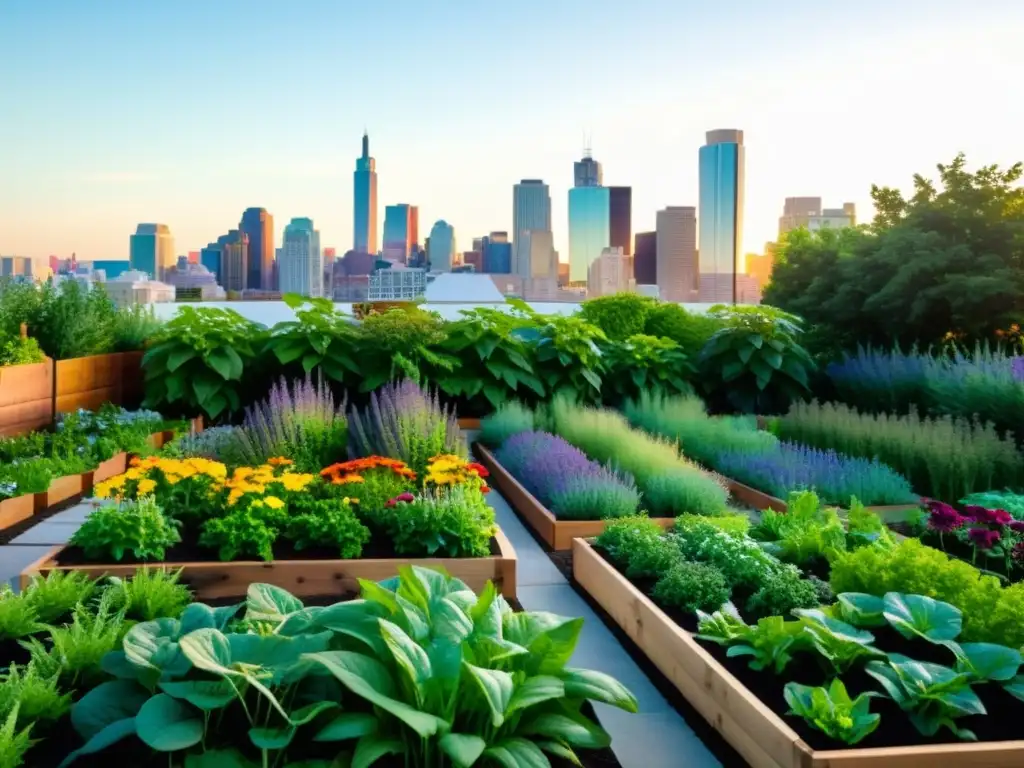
{"x": 690, "y": 330}
{"x": 947, "y": 259}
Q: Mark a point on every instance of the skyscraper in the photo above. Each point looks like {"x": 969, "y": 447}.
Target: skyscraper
{"x": 589, "y": 228}
{"x": 401, "y": 231}
{"x": 497, "y": 253}
{"x": 676, "y": 248}
{"x": 441, "y": 247}
{"x": 620, "y": 219}
{"x": 301, "y": 267}
{"x": 722, "y": 163}
{"x": 234, "y": 260}
{"x": 531, "y": 210}
{"x": 609, "y": 273}
{"x": 365, "y": 201}
{"x": 797, "y": 211}
{"x": 645, "y": 258}
{"x": 151, "y": 249}
{"x": 259, "y": 226}
{"x": 587, "y": 172}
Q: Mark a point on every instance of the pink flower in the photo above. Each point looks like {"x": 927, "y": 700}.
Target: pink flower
{"x": 1017, "y": 526}
{"x": 984, "y": 538}
{"x": 988, "y": 516}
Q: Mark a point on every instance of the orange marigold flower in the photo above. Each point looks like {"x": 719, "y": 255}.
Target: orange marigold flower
{"x": 280, "y": 461}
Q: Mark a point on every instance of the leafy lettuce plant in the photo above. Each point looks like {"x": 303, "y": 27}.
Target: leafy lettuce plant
{"x": 771, "y": 643}
{"x": 832, "y": 711}
{"x": 420, "y": 667}
{"x": 138, "y": 528}
{"x": 839, "y": 643}
{"x": 933, "y": 696}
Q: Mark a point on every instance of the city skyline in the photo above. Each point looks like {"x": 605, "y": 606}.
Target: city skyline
{"x": 106, "y": 137}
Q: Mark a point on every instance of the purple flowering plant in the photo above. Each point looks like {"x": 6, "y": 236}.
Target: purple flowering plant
{"x": 564, "y": 480}
{"x": 993, "y": 532}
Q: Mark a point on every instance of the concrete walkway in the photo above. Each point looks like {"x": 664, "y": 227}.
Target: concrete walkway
{"x": 656, "y": 737}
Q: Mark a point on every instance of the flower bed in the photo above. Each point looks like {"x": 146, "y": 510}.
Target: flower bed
{"x": 428, "y": 670}
{"x": 755, "y": 461}
{"x": 309, "y": 533}
{"x": 50, "y": 468}
{"x": 557, "y": 534}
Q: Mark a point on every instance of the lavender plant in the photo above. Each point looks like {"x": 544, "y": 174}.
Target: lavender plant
{"x": 300, "y": 421}
{"x": 405, "y": 422}
{"x": 790, "y": 467}
{"x": 565, "y": 481}
{"x": 985, "y": 383}
{"x": 218, "y": 443}
{"x": 945, "y": 458}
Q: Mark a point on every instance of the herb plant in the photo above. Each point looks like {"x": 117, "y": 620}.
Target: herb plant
{"x": 56, "y": 594}
{"x": 328, "y": 523}
{"x": 508, "y": 420}
{"x": 447, "y": 522}
{"x": 832, "y": 711}
{"x": 137, "y": 528}
{"x": 690, "y": 587}
{"x": 150, "y": 594}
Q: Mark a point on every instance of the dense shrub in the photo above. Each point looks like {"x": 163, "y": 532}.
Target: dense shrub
{"x": 691, "y": 587}
{"x": 690, "y": 330}
{"x": 620, "y": 315}
{"x": 564, "y": 480}
{"x": 945, "y": 458}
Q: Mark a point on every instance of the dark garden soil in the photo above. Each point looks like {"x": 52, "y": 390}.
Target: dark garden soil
{"x": 7, "y": 535}
{"x": 189, "y": 551}
{"x": 895, "y": 729}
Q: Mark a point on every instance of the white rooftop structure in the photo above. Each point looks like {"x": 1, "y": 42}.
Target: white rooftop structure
{"x": 463, "y": 288}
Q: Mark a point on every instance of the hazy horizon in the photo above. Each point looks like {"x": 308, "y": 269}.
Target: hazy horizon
{"x": 184, "y": 114}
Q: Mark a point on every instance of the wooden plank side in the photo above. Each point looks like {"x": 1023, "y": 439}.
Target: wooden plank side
{"x": 88, "y": 382}
{"x": 756, "y": 732}
{"x": 753, "y": 497}
{"x": 306, "y": 578}
{"x": 993, "y": 754}
{"x": 26, "y": 397}
{"x": 16, "y": 510}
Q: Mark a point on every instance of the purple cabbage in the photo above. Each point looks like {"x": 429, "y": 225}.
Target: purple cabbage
{"x": 404, "y": 422}
{"x": 564, "y": 480}
{"x": 833, "y": 476}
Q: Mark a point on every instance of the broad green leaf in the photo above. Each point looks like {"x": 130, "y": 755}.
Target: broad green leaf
{"x": 208, "y": 650}
{"x": 167, "y": 725}
{"x": 577, "y": 733}
{"x": 111, "y": 734}
{"x": 207, "y": 695}
{"x": 265, "y": 602}
{"x": 206, "y": 387}
{"x": 861, "y": 609}
{"x": 271, "y": 738}
{"x": 597, "y": 686}
{"x": 558, "y": 749}
{"x": 369, "y": 749}
{"x": 1015, "y": 687}
{"x": 369, "y": 679}
{"x": 348, "y": 725}
{"x": 178, "y": 357}
{"x": 463, "y": 749}
{"x": 226, "y": 362}
{"x": 535, "y": 690}
{"x": 517, "y": 753}
{"x": 106, "y": 704}
{"x": 920, "y": 616}
{"x": 551, "y": 639}
{"x": 300, "y": 622}
{"x": 154, "y": 645}
{"x": 496, "y": 686}
{"x": 987, "y": 661}
{"x": 116, "y": 664}
{"x": 407, "y": 654}
{"x": 311, "y": 711}
{"x": 200, "y": 616}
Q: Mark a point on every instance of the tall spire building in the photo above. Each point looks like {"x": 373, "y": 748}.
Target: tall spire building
{"x": 365, "y": 201}
{"x": 722, "y": 170}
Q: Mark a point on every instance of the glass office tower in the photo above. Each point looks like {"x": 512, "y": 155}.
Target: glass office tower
{"x": 721, "y": 214}
{"x": 589, "y": 228}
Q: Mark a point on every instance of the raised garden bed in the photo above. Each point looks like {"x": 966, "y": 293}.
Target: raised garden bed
{"x": 16, "y": 510}
{"x": 302, "y": 577}
{"x": 469, "y": 423}
{"x": 557, "y": 534}
{"x": 757, "y": 732}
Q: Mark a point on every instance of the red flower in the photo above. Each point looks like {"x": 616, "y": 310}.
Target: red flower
{"x": 984, "y": 538}
{"x": 988, "y": 516}
{"x": 485, "y": 489}
{"x": 479, "y": 469}
{"x": 943, "y": 518}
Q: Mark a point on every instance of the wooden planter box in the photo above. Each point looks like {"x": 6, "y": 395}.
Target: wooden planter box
{"x": 303, "y": 578}
{"x": 132, "y": 379}
{"x": 61, "y": 489}
{"x": 469, "y": 423}
{"x": 16, "y": 510}
{"x": 115, "y": 465}
{"x": 760, "y": 500}
{"x": 557, "y": 534}
{"x": 26, "y": 397}
{"x": 89, "y": 382}
{"x": 755, "y": 731}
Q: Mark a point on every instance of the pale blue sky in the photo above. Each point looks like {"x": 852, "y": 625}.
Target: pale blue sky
{"x": 114, "y": 112}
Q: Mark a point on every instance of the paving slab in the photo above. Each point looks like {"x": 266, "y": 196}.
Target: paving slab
{"x": 47, "y": 532}
{"x": 657, "y": 737}
{"x": 75, "y": 514}
{"x": 14, "y": 559}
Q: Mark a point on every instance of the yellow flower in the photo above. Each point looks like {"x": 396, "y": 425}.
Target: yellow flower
{"x": 172, "y": 479}
{"x": 257, "y": 503}
{"x": 134, "y": 473}
{"x": 102, "y": 491}
{"x": 234, "y": 496}
{"x": 146, "y": 486}
{"x": 349, "y": 500}
{"x": 273, "y": 502}
{"x": 295, "y": 482}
